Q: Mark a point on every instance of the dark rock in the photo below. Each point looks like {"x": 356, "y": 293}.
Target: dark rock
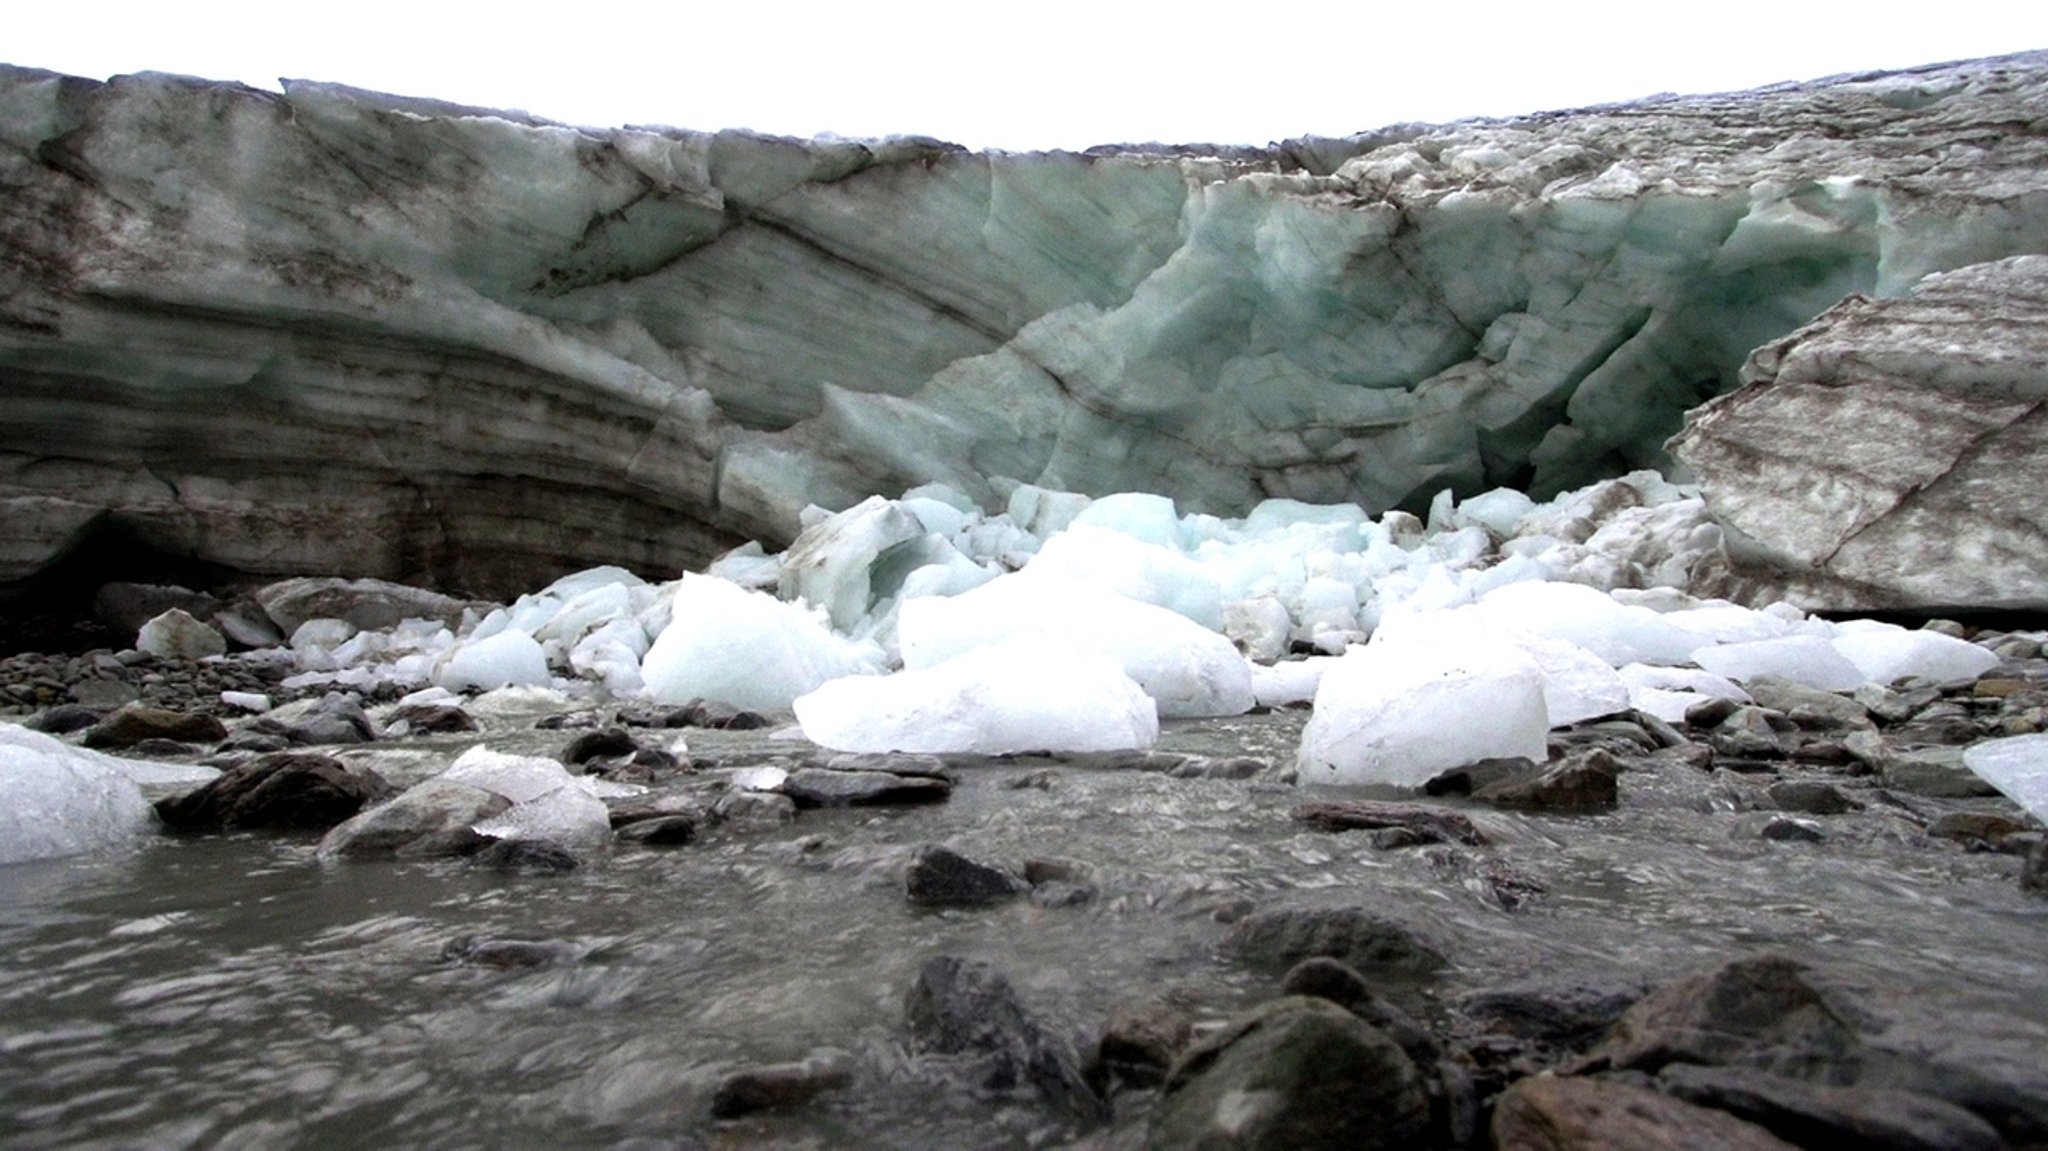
{"x": 754, "y": 809}
{"x": 526, "y": 856}
{"x": 162, "y": 749}
{"x": 1814, "y": 1115}
{"x": 1709, "y": 713}
{"x": 497, "y": 951}
{"x": 64, "y": 719}
{"x": 1550, "y": 1113}
{"x": 942, "y": 877}
{"x": 103, "y": 693}
{"x": 776, "y": 1086}
{"x": 431, "y": 719}
{"x": 338, "y": 718}
{"x": 1430, "y": 824}
{"x": 604, "y": 741}
{"x": 1581, "y": 782}
{"x": 1811, "y": 797}
{"x": 259, "y": 742}
{"x": 1279, "y": 938}
{"x": 1567, "y": 1016}
{"x": 1937, "y": 772}
{"x": 580, "y": 721}
{"x": 1980, "y": 826}
{"x": 891, "y": 763}
{"x": 413, "y": 818}
{"x": 1324, "y": 978}
{"x": 1807, "y": 707}
{"x": 1473, "y": 776}
{"x": 713, "y": 714}
{"x": 819, "y": 787}
{"x": 1141, "y": 1041}
{"x": 453, "y": 843}
{"x": 136, "y": 722}
{"x": 279, "y": 792}
{"x": 967, "y": 1007}
{"x": 1782, "y": 830}
{"x": 1765, "y": 1011}
{"x": 659, "y": 831}
{"x": 1747, "y": 733}
{"x": 1295, "y": 1074}
{"x": 2034, "y": 872}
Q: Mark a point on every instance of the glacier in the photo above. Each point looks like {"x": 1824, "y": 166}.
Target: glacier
{"x": 338, "y": 332}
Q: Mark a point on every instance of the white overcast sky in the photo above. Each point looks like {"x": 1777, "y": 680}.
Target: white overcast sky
{"x": 1039, "y": 74}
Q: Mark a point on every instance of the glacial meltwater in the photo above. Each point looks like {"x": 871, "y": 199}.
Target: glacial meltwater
{"x": 236, "y": 992}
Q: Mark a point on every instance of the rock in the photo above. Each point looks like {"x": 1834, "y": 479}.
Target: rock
{"x": 1564, "y": 1015}
{"x": 659, "y": 831}
{"x": 135, "y": 722}
{"x": 509, "y": 953}
{"x": 125, "y": 607}
{"x": 1923, "y": 506}
{"x": 1814, "y": 1115}
{"x": 338, "y": 718}
{"x": 1979, "y": 826}
{"x": 102, "y": 694}
{"x": 1328, "y": 979}
{"x": 1782, "y": 830}
{"x": 713, "y": 714}
{"x": 435, "y": 808}
{"x": 525, "y": 856}
{"x": 365, "y": 604}
{"x": 1581, "y": 782}
{"x": 1811, "y": 797}
{"x": 776, "y": 1086}
{"x": 64, "y": 719}
{"x": 1424, "y": 823}
{"x": 1546, "y": 1113}
{"x": 942, "y": 877}
{"x": 1377, "y": 944}
{"x": 290, "y": 791}
{"x": 430, "y": 719}
{"x": 1938, "y": 772}
{"x": 2034, "y": 872}
{"x": 1142, "y": 1039}
{"x": 1807, "y": 707}
{"x": 176, "y": 635}
{"x": 819, "y": 787}
{"x": 1710, "y": 712}
{"x": 1296, "y": 1074}
{"x": 606, "y": 742}
{"x": 967, "y": 1007}
{"x": 754, "y": 809}
{"x": 1766, "y": 1011}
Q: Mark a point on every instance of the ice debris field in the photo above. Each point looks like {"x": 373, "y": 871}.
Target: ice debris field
{"x": 1065, "y": 623}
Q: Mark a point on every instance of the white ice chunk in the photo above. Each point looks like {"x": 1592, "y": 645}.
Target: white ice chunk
{"x": 1400, "y": 714}
{"x": 1258, "y": 626}
{"x": 1294, "y": 681}
{"x": 590, "y": 579}
{"x": 1140, "y": 515}
{"x": 830, "y": 566}
{"x": 1806, "y": 659}
{"x": 547, "y": 802}
{"x": 1043, "y": 512}
{"x": 511, "y": 657}
{"x": 1666, "y": 692}
{"x": 1577, "y": 684}
{"x": 1022, "y": 695}
{"x": 749, "y": 566}
{"x": 1142, "y": 570}
{"x": 1888, "y": 653}
{"x": 1498, "y": 511}
{"x": 588, "y": 609}
{"x": 746, "y": 649}
{"x": 2017, "y": 766}
{"x": 58, "y": 800}
{"x": 1188, "y": 669}
{"x": 1727, "y": 623}
{"x": 1277, "y": 515}
{"x": 249, "y": 701}
{"x": 1590, "y": 618}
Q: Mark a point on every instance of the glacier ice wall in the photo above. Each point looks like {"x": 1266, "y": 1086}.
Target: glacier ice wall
{"x": 329, "y": 330}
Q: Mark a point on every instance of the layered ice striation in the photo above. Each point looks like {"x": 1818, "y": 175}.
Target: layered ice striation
{"x": 339, "y": 332}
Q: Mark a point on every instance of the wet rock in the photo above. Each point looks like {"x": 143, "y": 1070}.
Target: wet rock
{"x": 778, "y": 1086}
{"x": 1219, "y": 767}
{"x": 600, "y": 742}
{"x": 176, "y": 635}
{"x": 430, "y": 719}
{"x": 434, "y": 808}
{"x": 1978, "y": 826}
{"x": 1473, "y": 776}
{"x": 1892, "y": 706}
{"x": 1937, "y": 772}
{"x": 1567, "y": 1016}
{"x": 1766, "y": 1011}
{"x": 1747, "y": 734}
{"x": 1295, "y": 1074}
{"x": 819, "y": 787}
{"x": 1491, "y": 879}
{"x": 942, "y": 877}
{"x": 1373, "y": 943}
{"x": 526, "y": 856}
{"x": 890, "y": 763}
{"x": 1711, "y": 712}
{"x": 1141, "y": 1041}
{"x": 1784, "y": 830}
{"x": 1807, "y": 707}
{"x": 509, "y": 953}
{"x": 338, "y": 718}
{"x": 258, "y": 742}
{"x": 279, "y": 792}
{"x": 1814, "y": 1115}
{"x": 1811, "y": 797}
{"x": 162, "y": 749}
{"x": 753, "y": 809}
{"x": 64, "y": 719}
{"x": 967, "y": 1007}
{"x": 1549, "y": 1113}
{"x": 1426, "y": 822}
{"x": 1341, "y": 984}
{"x": 136, "y": 722}
{"x": 659, "y": 831}
{"x": 1583, "y": 781}
{"x": 713, "y": 714}
{"x": 2034, "y": 872}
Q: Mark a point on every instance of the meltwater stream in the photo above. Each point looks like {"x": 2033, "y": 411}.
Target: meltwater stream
{"x": 233, "y": 992}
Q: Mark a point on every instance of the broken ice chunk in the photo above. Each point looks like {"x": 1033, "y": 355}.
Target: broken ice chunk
{"x": 1400, "y": 714}
{"x": 2017, "y": 766}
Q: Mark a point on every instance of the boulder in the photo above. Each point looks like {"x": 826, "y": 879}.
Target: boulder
{"x": 133, "y": 723}
{"x": 287, "y": 791}
{"x": 967, "y": 1007}
{"x": 1374, "y": 943}
{"x": 1546, "y": 1113}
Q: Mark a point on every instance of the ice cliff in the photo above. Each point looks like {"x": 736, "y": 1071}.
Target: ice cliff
{"x": 350, "y": 333}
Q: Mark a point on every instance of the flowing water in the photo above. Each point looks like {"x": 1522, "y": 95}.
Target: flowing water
{"x": 234, "y": 992}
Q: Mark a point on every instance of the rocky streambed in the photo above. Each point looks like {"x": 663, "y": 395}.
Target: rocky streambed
{"x": 1798, "y": 921}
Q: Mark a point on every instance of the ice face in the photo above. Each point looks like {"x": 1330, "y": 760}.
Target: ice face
{"x": 1188, "y": 669}
{"x": 2017, "y": 766}
{"x": 1022, "y": 694}
{"x": 745, "y": 648}
{"x": 1399, "y": 714}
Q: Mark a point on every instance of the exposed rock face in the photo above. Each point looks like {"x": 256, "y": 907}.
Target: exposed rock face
{"x": 330, "y": 331}
{"x": 1890, "y": 454}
